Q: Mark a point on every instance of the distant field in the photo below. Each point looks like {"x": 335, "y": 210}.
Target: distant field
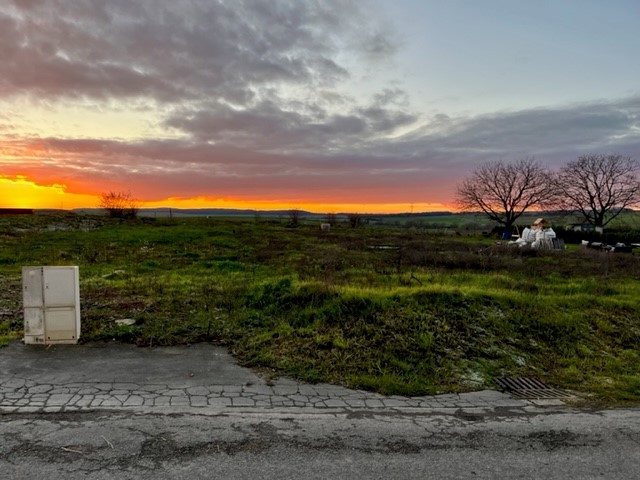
{"x": 399, "y": 309}
{"x": 479, "y": 222}
{"x": 463, "y": 222}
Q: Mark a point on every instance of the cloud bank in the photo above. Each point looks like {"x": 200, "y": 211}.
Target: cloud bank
{"x": 254, "y": 99}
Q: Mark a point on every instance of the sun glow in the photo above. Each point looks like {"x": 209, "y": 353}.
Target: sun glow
{"x": 20, "y": 192}
{"x": 316, "y": 207}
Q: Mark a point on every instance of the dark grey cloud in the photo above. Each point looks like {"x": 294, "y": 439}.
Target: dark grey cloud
{"x": 220, "y": 71}
{"x": 172, "y": 51}
{"x": 270, "y": 125}
{"x": 553, "y": 134}
{"x": 548, "y": 129}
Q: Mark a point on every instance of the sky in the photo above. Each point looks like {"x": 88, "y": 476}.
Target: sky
{"x": 323, "y": 105}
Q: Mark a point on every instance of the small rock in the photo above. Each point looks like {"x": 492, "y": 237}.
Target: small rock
{"x": 126, "y": 321}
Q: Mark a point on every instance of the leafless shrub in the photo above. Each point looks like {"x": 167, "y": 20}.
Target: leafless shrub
{"x": 119, "y": 204}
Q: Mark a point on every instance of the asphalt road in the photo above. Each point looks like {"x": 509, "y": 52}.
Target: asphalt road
{"x": 240, "y": 444}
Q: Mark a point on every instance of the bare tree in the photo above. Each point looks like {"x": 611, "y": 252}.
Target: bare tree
{"x": 294, "y": 217}
{"x": 119, "y": 204}
{"x": 355, "y": 219}
{"x": 331, "y": 219}
{"x": 598, "y": 187}
{"x": 504, "y": 191}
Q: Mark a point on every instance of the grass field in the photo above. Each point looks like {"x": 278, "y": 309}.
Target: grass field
{"x": 392, "y": 309}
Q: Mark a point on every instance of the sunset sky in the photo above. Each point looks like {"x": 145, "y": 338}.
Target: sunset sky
{"x": 325, "y": 105}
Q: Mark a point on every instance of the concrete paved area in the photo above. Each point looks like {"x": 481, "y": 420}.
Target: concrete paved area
{"x": 181, "y": 379}
{"x": 107, "y": 411}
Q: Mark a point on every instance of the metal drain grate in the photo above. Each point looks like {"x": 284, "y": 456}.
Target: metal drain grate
{"x": 530, "y": 388}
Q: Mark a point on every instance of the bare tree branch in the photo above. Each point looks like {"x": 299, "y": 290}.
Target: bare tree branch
{"x": 598, "y": 187}
{"x": 504, "y": 191}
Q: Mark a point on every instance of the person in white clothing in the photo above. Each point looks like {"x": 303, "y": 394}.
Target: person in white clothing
{"x": 527, "y": 238}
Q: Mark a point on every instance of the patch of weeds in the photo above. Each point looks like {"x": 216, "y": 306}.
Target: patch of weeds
{"x": 392, "y": 384}
{"x": 271, "y": 296}
{"x": 432, "y": 313}
{"x": 149, "y": 265}
{"x": 122, "y": 333}
{"x": 230, "y": 266}
{"x": 8, "y": 334}
{"x": 629, "y": 387}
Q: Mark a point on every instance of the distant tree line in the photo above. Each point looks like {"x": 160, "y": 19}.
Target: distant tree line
{"x": 596, "y": 187}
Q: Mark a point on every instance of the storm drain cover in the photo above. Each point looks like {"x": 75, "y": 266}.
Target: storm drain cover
{"x": 530, "y": 388}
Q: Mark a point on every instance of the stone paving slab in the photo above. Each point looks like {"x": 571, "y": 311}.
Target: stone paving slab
{"x": 17, "y": 393}
{"x": 123, "y": 377}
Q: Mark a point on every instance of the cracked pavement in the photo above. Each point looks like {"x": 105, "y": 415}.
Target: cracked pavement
{"x": 24, "y": 395}
{"x": 107, "y": 411}
{"x": 200, "y": 377}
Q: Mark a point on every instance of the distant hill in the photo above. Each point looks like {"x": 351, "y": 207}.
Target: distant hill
{"x": 230, "y": 212}
{"x": 204, "y": 212}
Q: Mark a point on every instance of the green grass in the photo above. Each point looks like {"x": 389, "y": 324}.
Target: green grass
{"x": 6, "y": 335}
{"x": 423, "y": 314}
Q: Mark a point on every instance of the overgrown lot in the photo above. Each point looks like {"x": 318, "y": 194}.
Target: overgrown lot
{"x": 393, "y": 310}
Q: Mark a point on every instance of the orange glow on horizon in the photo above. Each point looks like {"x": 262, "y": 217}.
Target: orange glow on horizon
{"x": 307, "y": 205}
{"x": 20, "y": 192}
